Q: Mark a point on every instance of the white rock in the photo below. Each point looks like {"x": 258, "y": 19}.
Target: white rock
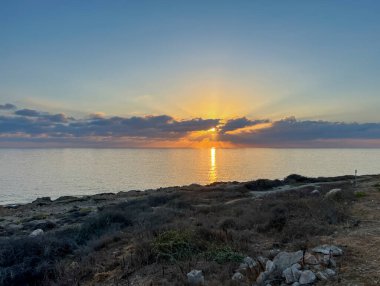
{"x": 195, "y": 277}
{"x": 327, "y": 249}
{"x": 292, "y": 274}
{"x": 307, "y": 277}
{"x": 315, "y": 193}
{"x": 284, "y": 260}
{"x": 269, "y": 267}
{"x": 321, "y": 276}
{"x": 311, "y": 259}
{"x": 250, "y": 262}
{"x": 36, "y": 232}
{"x": 329, "y": 272}
{"x": 334, "y": 193}
{"x": 238, "y": 277}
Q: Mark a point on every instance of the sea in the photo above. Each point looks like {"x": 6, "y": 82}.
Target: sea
{"x": 26, "y": 174}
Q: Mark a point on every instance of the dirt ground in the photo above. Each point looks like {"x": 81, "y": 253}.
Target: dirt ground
{"x": 360, "y": 265}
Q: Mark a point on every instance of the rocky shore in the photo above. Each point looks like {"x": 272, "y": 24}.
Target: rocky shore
{"x": 265, "y": 232}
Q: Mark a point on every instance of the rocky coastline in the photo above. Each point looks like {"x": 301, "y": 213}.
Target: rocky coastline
{"x": 263, "y": 232}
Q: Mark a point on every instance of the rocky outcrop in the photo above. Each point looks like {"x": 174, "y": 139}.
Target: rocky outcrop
{"x": 195, "y": 278}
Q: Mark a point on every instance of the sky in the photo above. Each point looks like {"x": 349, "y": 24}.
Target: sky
{"x": 189, "y": 73}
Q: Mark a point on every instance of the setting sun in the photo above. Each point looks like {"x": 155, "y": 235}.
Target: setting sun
{"x": 212, "y": 129}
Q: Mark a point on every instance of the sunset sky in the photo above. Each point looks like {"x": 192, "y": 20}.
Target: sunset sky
{"x": 189, "y": 73}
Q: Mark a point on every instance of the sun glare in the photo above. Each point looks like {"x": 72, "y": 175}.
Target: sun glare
{"x": 212, "y": 129}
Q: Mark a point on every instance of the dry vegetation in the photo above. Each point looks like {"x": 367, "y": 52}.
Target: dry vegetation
{"x": 156, "y": 237}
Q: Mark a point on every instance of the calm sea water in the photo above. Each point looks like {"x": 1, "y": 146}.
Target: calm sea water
{"x": 26, "y": 174}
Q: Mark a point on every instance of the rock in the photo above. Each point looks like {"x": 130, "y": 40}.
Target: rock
{"x": 327, "y": 249}
{"x": 262, "y": 278}
{"x": 315, "y": 193}
{"x": 36, "y": 232}
{"x": 284, "y": 260}
{"x": 321, "y": 276}
{"x": 296, "y": 284}
{"x": 248, "y": 262}
{"x": 42, "y": 201}
{"x": 311, "y": 259}
{"x": 329, "y": 272}
{"x": 307, "y": 277}
{"x": 262, "y": 260}
{"x": 328, "y": 261}
{"x": 238, "y": 277}
{"x": 195, "y": 277}
{"x": 334, "y": 194}
{"x": 269, "y": 267}
{"x": 292, "y": 274}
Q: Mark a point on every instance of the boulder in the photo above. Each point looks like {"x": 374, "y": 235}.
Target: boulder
{"x": 328, "y": 261}
{"x": 292, "y": 274}
{"x": 334, "y": 194}
{"x": 284, "y": 260}
{"x": 248, "y": 262}
{"x": 310, "y": 259}
{"x": 42, "y": 201}
{"x": 262, "y": 278}
{"x": 296, "y": 284}
{"x": 307, "y": 277}
{"x": 269, "y": 266}
{"x": 195, "y": 278}
{"x": 238, "y": 277}
{"x": 329, "y": 272}
{"x": 315, "y": 193}
{"x": 328, "y": 249}
{"x": 36, "y": 232}
{"x": 321, "y": 276}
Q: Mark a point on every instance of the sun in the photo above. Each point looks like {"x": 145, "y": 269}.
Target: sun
{"x": 212, "y": 129}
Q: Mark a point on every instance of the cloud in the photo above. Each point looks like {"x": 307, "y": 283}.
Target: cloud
{"x": 290, "y": 132}
{"x": 7, "y": 106}
{"x": 36, "y": 124}
{"x": 238, "y": 123}
{"x": 38, "y": 128}
{"x": 60, "y": 117}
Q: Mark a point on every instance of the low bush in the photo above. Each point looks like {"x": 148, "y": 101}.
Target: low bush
{"x": 223, "y": 255}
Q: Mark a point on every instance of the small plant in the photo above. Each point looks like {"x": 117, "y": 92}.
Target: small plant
{"x": 223, "y": 255}
{"x": 174, "y": 245}
{"x": 360, "y": 195}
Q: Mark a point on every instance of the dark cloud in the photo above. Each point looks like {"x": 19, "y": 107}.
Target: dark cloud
{"x": 7, "y": 106}
{"x": 28, "y": 112}
{"x": 291, "y": 132}
{"x": 35, "y": 123}
{"x": 28, "y": 125}
{"x": 237, "y": 123}
{"x": 60, "y": 117}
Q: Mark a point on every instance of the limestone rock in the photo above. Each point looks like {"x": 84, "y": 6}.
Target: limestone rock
{"x": 321, "y": 276}
{"x": 36, "y": 232}
{"x": 334, "y": 194}
{"x": 238, "y": 277}
{"x": 284, "y": 260}
{"x": 307, "y": 277}
{"x": 311, "y": 259}
{"x": 315, "y": 193}
{"x": 327, "y": 249}
{"x": 269, "y": 267}
{"x": 292, "y": 274}
{"x": 195, "y": 278}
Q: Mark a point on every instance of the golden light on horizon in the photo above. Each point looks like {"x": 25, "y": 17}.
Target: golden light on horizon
{"x": 212, "y": 129}
{"x": 212, "y": 171}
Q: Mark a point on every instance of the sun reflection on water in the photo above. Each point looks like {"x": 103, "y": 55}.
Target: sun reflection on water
{"x": 212, "y": 172}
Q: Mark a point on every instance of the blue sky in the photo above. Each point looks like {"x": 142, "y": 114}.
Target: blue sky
{"x": 315, "y": 60}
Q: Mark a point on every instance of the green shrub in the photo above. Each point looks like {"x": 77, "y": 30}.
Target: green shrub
{"x": 223, "y": 255}
{"x": 360, "y": 195}
{"x": 175, "y": 245}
